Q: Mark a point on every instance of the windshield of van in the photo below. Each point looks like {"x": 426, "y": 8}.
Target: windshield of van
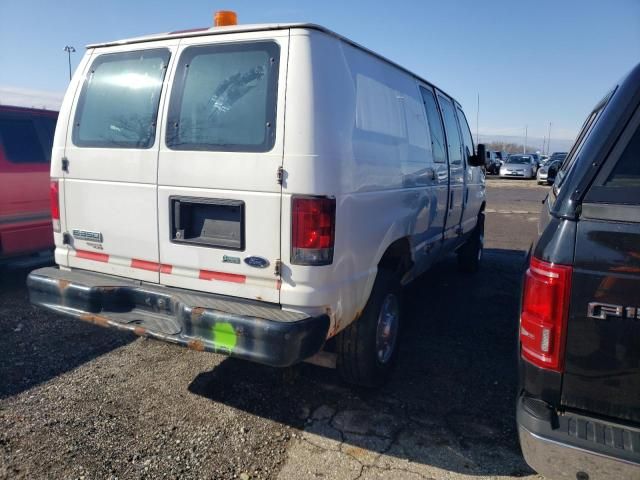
{"x": 224, "y": 98}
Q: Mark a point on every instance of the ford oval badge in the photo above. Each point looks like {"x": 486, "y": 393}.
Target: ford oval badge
{"x": 257, "y": 262}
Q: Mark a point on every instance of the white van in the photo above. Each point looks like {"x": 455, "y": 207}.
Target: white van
{"x": 256, "y": 190}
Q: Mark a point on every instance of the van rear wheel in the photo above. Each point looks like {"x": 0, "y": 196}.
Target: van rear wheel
{"x": 367, "y": 349}
{"x": 470, "y": 254}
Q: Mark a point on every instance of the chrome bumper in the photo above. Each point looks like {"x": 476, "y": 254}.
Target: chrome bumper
{"x": 559, "y": 461}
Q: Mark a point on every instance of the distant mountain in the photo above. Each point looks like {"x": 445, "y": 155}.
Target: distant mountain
{"x": 533, "y": 143}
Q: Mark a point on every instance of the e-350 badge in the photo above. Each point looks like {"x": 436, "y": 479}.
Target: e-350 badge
{"x": 87, "y": 236}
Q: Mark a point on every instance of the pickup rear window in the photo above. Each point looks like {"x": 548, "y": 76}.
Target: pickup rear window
{"x": 118, "y": 106}
{"x": 627, "y": 171}
{"x": 224, "y": 98}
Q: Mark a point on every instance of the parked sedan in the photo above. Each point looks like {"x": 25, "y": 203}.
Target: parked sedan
{"x": 522, "y": 166}
{"x": 543, "y": 172}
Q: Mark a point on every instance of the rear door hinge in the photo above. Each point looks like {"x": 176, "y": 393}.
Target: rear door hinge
{"x": 278, "y": 268}
{"x": 280, "y": 175}
{"x": 65, "y": 164}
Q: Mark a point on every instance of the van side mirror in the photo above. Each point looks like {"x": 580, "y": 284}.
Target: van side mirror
{"x": 477, "y": 160}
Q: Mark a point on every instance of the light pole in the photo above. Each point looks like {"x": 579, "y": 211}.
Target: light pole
{"x": 69, "y": 49}
{"x": 549, "y": 139}
{"x": 524, "y": 147}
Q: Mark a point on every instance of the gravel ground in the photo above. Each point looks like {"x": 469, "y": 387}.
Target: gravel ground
{"x": 78, "y": 401}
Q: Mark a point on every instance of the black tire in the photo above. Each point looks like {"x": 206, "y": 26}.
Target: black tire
{"x": 470, "y": 254}
{"x": 358, "y": 361}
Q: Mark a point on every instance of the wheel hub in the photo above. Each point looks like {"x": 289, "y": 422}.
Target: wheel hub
{"x": 387, "y": 329}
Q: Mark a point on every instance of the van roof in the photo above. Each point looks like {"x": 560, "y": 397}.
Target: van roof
{"x": 198, "y": 32}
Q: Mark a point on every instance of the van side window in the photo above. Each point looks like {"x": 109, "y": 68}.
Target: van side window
{"x": 25, "y": 139}
{"x": 435, "y": 125}
{"x": 118, "y": 106}
{"x": 224, "y": 98}
{"x": 451, "y": 127}
{"x": 466, "y": 135}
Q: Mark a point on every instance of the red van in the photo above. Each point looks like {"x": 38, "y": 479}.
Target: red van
{"x": 26, "y": 137}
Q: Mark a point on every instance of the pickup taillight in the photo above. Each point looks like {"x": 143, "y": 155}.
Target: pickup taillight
{"x": 312, "y": 230}
{"x": 54, "y": 196}
{"x": 545, "y": 309}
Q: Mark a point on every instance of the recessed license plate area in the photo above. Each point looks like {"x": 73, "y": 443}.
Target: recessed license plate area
{"x": 207, "y": 222}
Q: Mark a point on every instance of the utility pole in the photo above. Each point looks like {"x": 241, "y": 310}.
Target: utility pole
{"x": 478, "y": 121}
{"x": 524, "y": 147}
{"x": 69, "y": 49}
{"x": 549, "y": 140}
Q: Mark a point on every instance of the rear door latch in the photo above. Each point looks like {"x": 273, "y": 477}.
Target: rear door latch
{"x": 278, "y": 268}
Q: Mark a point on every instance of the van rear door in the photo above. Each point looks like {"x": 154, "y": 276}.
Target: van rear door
{"x": 602, "y": 356}
{"x": 110, "y": 186}
{"x": 219, "y": 196}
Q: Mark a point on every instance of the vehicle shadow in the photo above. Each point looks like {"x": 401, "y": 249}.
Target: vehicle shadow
{"x": 451, "y": 402}
{"x": 37, "y": 345}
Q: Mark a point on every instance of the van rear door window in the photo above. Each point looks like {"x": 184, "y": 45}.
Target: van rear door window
{"x": 118, "y": 106}
{"x": 224, "y": 98}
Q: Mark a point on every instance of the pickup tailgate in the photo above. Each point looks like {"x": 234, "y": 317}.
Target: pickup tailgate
{"x": 602, "y": 370}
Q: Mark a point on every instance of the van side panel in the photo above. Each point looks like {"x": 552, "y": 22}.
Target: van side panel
{"x": 356, "y": 130}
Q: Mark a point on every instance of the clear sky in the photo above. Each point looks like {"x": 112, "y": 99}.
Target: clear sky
{"x": 532, "y": 62}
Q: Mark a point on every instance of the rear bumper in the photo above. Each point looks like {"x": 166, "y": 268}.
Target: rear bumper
{"x": 254, "y": 331}
{"x": 562, "y": 447}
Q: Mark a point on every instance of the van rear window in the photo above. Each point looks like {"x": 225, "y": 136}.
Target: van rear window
{"x": 224, "y": 98}
{"x": 26, "y": 138}
{"x": 118, "y": 106}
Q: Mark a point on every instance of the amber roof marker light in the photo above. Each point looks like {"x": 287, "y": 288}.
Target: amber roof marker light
{"x": 224, "y": 18}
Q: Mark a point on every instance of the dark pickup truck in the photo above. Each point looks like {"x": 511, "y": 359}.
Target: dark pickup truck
{"x": 578, "y": 406}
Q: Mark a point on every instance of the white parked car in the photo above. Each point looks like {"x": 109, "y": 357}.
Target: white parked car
{"x": 519, "y": 166}
{"x": 256, "y": 190}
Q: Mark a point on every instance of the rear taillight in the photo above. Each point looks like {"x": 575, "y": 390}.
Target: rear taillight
{"x": 545, "y": 308}
{"x": 54, "y": 196}
{"x": 312, "y": 230}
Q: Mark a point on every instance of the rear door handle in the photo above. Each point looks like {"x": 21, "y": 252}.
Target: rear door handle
{"x": 451, "y": 200}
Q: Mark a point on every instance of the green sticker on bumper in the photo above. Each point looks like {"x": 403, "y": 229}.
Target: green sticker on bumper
{"x": 224, "y": 336}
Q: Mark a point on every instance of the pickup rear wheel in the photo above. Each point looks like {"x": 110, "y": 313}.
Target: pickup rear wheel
{"x": 470, "y": 254}
{"x": 367, "y": 349}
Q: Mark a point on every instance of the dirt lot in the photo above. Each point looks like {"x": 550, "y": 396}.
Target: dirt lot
{"x": 78, "y": 401}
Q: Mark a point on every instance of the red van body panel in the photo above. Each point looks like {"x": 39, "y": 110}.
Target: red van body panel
{"x": 26, "y": 137}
